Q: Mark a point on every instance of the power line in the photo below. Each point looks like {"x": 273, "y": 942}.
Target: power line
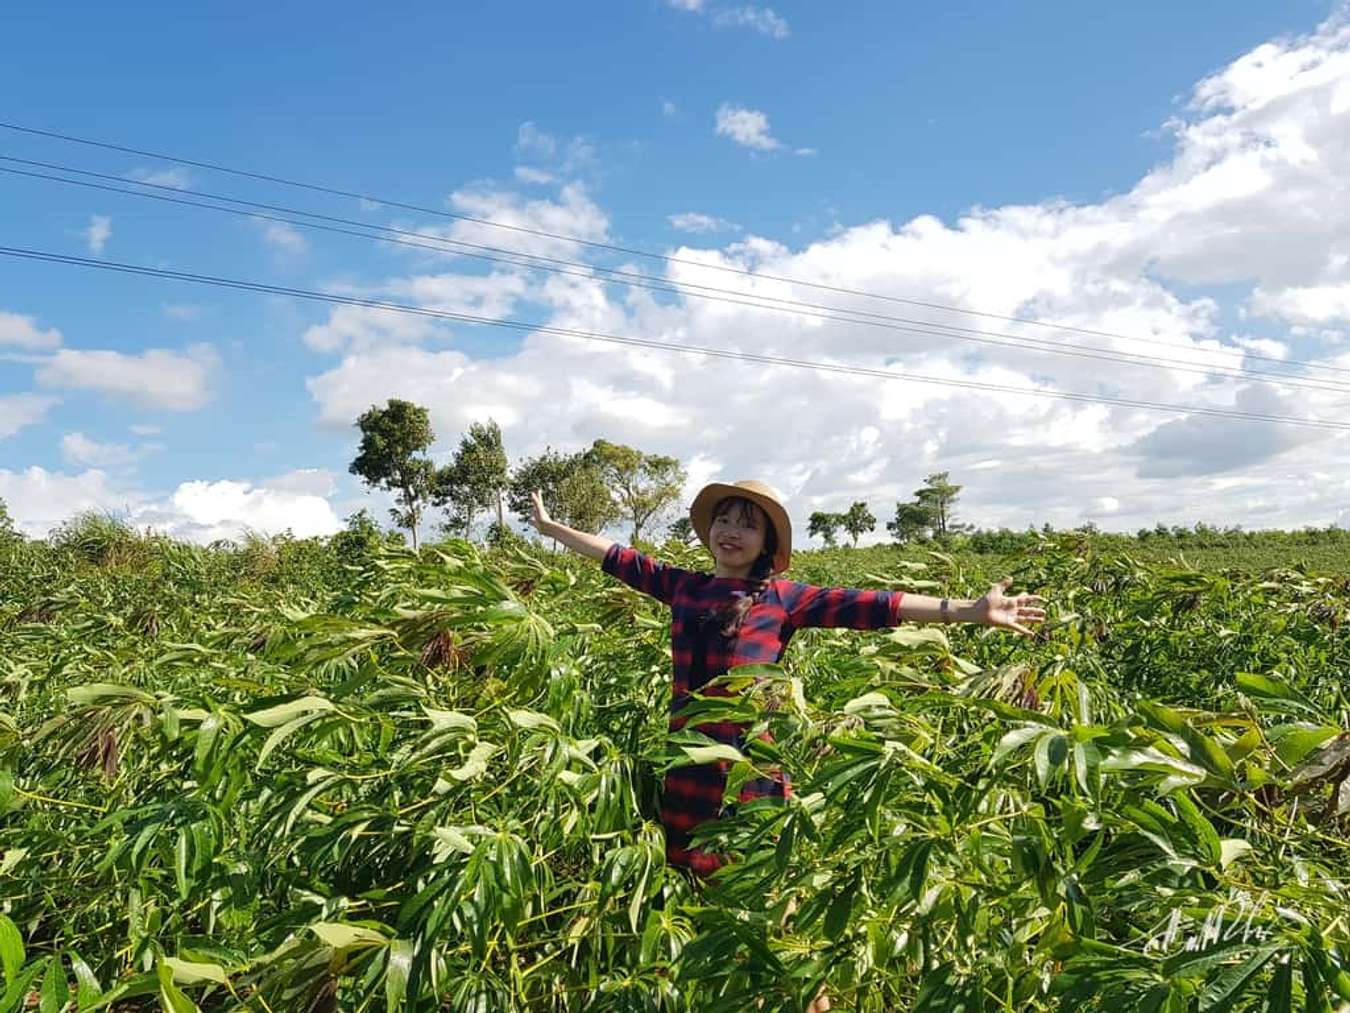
{"x": 363, "y": 230}
{"x": 244, "y": 285}
{"x": 590, "y": 243}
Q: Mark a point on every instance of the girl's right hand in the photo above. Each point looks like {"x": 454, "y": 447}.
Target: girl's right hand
{"x": 538, "y": 513}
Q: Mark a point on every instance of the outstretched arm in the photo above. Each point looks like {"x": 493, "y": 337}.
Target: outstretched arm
{"x": 994, "y": 609}
{"x": 594, "y": 546}
{"x": 640, "y": 572}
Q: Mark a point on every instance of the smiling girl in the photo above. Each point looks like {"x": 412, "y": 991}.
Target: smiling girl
{"x": 742, "y": 614}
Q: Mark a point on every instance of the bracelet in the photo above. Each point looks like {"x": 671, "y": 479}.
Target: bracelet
{"x": 942, "y": 610}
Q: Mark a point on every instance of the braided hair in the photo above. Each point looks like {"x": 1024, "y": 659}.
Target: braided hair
{"x": 760, "y": 571}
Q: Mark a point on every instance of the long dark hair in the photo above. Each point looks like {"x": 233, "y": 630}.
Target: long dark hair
{"x": 734, "y": 614}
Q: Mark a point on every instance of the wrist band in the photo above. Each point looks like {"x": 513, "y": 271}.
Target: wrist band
{"x": 942, "y": 609}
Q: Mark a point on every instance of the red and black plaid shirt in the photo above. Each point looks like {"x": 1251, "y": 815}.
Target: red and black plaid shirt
{"x": 700, "y": 652}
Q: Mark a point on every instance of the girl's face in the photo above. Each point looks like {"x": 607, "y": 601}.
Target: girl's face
{"x": 737, "y": 534}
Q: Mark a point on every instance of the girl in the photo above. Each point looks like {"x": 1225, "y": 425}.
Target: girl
{"x": 740, "y": 614}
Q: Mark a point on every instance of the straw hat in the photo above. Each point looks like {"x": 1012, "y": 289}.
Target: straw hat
{"x": 701, "y": 513}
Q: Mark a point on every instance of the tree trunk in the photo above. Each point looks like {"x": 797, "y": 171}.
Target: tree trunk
{"x": 501, "y": 523}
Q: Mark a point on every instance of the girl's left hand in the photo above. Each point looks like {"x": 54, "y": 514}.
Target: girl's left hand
{"x": 997, "y": 609}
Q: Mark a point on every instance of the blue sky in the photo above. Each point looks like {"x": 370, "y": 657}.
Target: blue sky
{"x": 601, "y": 117}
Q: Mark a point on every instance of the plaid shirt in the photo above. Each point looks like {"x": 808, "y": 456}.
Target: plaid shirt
{"x": 693, "y": 795}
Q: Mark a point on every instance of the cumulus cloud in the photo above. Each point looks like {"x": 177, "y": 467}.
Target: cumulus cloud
{"x": 694, "y": 221}
{"x": 1240, "y": 203}
{"x": 199, "y": 510}
{"x": 98, "y": 232}
{"x": 155, "y": 378}
{"x": 19, "y": 411}
{"x": 747, "y": 127}
{"x": 542, "y": 226}
{"x": 23, "y": 332}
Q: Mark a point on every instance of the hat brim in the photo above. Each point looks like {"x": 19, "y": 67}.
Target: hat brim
{"x": 701, "y": 516}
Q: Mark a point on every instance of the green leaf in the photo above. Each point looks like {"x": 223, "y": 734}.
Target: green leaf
{"x": 1149, "y": 759}
{"x": 55, "y": 991}
{"x": 1015, "y": 739}
{"x": 1226, "y": 988}
{"x": 398, "y": 964}
{"x": 709, "y": 754}
{"x": 1231, "y": 849}
{"x": 271, "y": 717}
{"x": 88, "y": 989}
{"x": 345, "y": 936}
{"x": 1294, "y": 741}
{"x": 171, "y": 998}
{"x": 11, "y": 949}
{"x": 1051, "y": 752}
{"x": 450, "y": 720}
{"x": 1273, "y": 691}
{"x": 532, "y": 719}
{"x": 475, "y": 765}
{"x": 187, "y": 972}
{"x": 107, "y": 692}
{"x": 280, "y": 734}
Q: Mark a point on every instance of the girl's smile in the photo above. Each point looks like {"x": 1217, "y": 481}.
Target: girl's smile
{"x": 736, "y": 537}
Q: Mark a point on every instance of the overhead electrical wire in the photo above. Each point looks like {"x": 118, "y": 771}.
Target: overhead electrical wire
{"x": 590, "y": 243}
{"x": 245, "y": 285}
{"x": 381, "y": 233}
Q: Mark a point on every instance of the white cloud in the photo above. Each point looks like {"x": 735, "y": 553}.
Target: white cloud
{"x": 23, "y": 331}
{"x": 81, "y": 451}
{"x": 760, "y": 19}
{"x": 1229, "y": 207}
{"x": 175, "y": 176}
{"x": 694, "y": 221}
{"x": 668, "y": 108}
{"x": 747, "y": 127}
{"x": 284, "y": 239}
{"x": 156, "y": 378}
{"x": 199, "y": 510}
{"x": 567, "y": 157}
{"x": 537, "y": 177}
{"x": 1305, "y": 303}
{"x": 143, "y": 429}
{"x": 538, "y": 226}
{"x": 98, "y": 233}
{"x": 764, "y": 20}
{"x": 19, "y": 411}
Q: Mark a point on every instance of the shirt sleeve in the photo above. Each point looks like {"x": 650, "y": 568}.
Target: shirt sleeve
{"x": 808, "y": 605}
{"x": 660, "y": 580}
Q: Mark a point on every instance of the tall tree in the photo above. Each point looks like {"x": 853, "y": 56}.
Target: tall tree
{"x": 912, "y": 520}
{"x": 930, "y": 512}
{"x": 476, "y": 479}
{"x": 858, "y": 520}
{"x": 645, "y": 486}
{"x": 939, "y": 496}
{"x": 825, "y": 525}
{"x": 573, "y": 490}
{"x": 392, "y": 456}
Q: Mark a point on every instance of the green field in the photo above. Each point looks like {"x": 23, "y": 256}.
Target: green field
{"x": 298, "y": 775}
